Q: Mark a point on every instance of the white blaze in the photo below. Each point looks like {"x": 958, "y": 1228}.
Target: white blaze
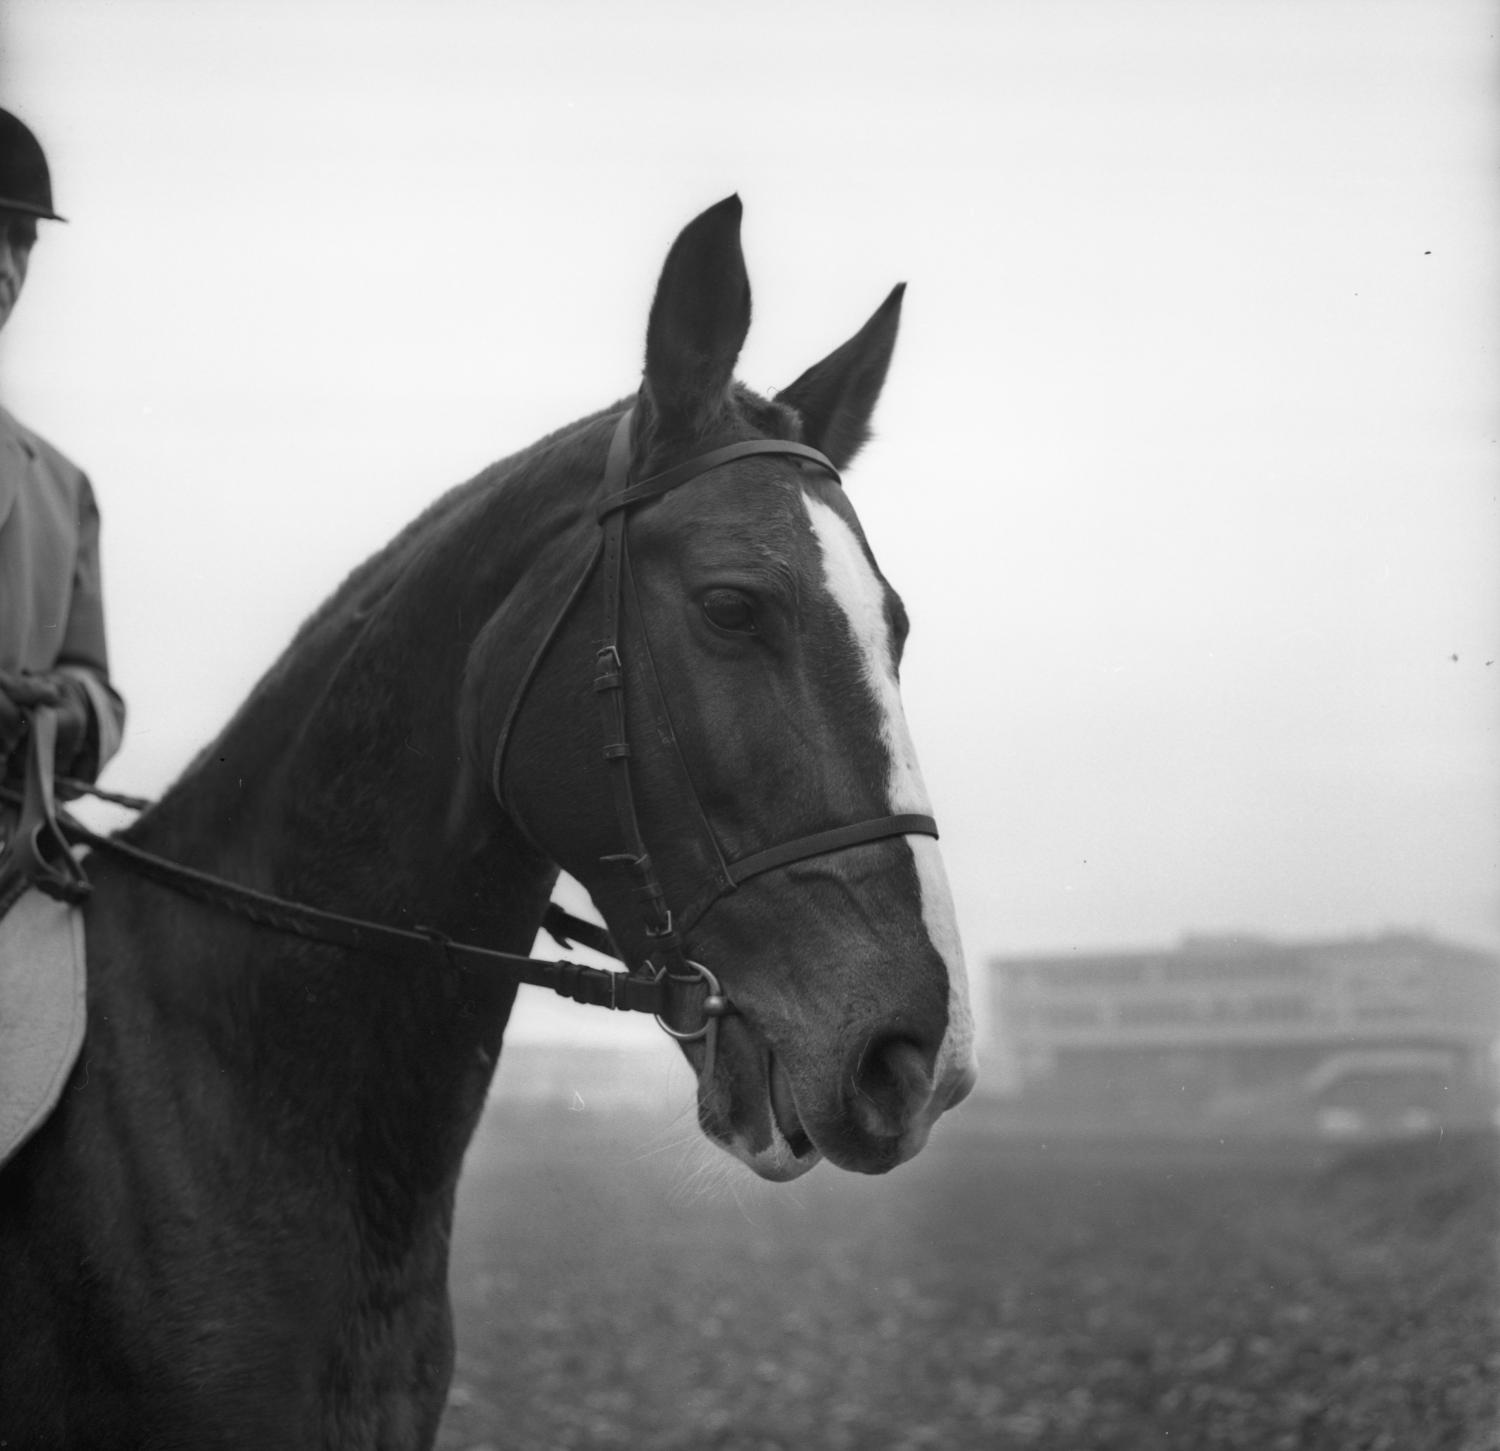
{"x": 854, "y": 586}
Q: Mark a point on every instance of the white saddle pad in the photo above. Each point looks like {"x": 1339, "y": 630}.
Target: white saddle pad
{"x": 41, "y": 1012}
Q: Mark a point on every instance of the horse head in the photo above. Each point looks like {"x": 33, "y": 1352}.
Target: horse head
{"x": 760, "y": 646}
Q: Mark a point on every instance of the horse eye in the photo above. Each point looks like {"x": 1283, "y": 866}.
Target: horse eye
{"x": 728, "y": 609}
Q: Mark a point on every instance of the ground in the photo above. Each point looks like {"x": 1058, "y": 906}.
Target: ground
{"x": 614, "y": 1286}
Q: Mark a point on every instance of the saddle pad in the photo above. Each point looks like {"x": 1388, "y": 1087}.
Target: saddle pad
{"x": 41, "y": 1012}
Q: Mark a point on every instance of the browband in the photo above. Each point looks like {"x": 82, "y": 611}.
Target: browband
{"x": 669, "y": 479}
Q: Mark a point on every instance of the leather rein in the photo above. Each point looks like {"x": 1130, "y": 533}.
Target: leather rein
{"x": 41, "y": 855}
{"x": 42, "y": 851}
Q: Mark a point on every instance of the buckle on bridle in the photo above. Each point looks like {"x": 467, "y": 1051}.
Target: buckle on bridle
{"x": 608, "y": 668}
{"x": 715, "y": 1004}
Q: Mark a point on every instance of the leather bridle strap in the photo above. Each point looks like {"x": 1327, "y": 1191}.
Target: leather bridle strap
{"x": 822, "y": 843}
{"x": 609, "y": 688}
{"x": 54, "y": 870}
{"x": 592, "y": 986}
{"x": 665, "y": 932}
{"x": 679, "y": 474}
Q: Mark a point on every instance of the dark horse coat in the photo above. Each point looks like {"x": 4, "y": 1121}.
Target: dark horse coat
{"x": 234, "y": 1232}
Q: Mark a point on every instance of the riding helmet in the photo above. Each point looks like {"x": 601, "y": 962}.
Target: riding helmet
{"x": 25, "y": 183}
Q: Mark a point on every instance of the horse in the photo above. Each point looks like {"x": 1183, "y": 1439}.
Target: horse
{"x": 234, "y": 1229}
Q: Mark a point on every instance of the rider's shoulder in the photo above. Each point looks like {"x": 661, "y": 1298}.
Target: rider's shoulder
{"x": 18, "y": 438}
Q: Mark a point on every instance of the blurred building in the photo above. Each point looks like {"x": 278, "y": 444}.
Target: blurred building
{"x": 1379, "y": 1034}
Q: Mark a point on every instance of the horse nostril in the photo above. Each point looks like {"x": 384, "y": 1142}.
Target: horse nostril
{"x": 891, "y": 1083}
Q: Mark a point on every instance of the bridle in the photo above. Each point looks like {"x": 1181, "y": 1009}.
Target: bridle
{"x": 665, "y": 958}
{"x": 43, "y": 857}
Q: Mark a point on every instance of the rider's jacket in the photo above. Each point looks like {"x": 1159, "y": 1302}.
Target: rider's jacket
{"x": 51, "y": 604}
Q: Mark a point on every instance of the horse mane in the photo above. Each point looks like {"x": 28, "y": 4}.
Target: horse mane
{"x": 368, "y": 581}
{"x": 333, "y": 627}
{"x": 366, "y": 584}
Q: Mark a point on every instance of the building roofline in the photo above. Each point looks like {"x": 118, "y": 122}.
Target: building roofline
{"x": 1246, "y": 946}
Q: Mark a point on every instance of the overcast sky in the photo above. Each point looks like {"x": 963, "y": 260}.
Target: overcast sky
{"x": 1187, "y": 466}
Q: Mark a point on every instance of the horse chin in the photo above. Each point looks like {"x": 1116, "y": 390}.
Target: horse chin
{"x": 762, "y": 1126}
{"x": 779, "y": 1163}
{"x": 780, "y": 1155}
{"x": 752, "y": 1111}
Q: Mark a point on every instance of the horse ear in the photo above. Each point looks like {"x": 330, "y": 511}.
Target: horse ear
{"x": 837, "y": 397}
{"x": 699, "y": 320}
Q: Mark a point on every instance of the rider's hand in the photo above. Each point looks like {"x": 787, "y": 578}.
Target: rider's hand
{"x": 19, "y": 692}
{"x": 75, "y": 714}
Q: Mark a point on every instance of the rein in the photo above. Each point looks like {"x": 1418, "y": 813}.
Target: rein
{"x": 42, "y": 852}
{"x": 41, "y": 857}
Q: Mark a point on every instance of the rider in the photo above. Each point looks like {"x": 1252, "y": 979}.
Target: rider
{"x": 51, "y": 608}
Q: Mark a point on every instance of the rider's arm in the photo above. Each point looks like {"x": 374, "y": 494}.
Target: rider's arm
{"x": 84, "y": 657}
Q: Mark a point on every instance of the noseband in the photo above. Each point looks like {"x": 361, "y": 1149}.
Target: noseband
{"x": 665, "y": 957}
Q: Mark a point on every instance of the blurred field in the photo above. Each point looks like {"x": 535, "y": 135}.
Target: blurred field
{"x": 614, "y": 1287}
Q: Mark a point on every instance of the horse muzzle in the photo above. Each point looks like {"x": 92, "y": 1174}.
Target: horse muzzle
{"x": 781, "y": 1119}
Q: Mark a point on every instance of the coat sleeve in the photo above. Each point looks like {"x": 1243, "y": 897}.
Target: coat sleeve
{"x": 84, "y": 654}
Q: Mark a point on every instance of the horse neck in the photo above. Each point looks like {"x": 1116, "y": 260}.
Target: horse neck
{"x": 336, "y": 785}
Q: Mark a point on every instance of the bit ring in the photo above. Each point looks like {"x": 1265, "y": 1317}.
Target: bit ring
{"x": 715, "y": 1005}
